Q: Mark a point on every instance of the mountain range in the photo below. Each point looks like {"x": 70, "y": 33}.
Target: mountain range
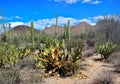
{"x": 75, "y": 30}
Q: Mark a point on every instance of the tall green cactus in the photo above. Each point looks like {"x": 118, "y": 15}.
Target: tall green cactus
{"x": 10, "y": 36}
{"x": 32, "y": 34}
{"x": 69, "y": 35}
{"x": 56, "y": 33}
{"x": 0, "y": 32}
{"x": 3, "y": 25}
{"x": 65, "y": 33}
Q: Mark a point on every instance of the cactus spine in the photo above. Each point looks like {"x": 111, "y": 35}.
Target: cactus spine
{"x": 56, "y": 33}
{"x": 32, "y": 34}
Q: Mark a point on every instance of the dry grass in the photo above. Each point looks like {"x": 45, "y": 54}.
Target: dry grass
{"x": 104, "y": 77}
{"x": 115, "y": 59}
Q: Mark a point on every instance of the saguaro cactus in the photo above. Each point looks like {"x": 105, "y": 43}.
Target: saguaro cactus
{"x": 3, "y": 25}
{"x": 69, "y": 35}
{"x": 10, "y": 36}
{"x": 0, "y": 31}
{"x": 32, "y": 34}
{"x": 56, "y": 33}
{"x": 65, "y": 33}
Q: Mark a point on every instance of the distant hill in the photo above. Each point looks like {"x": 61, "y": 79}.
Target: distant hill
{"x": 22, "y": 29}
{"x": 75, "y": 30}
{"x": 81, "y": 28}
{"x": 51, "y": 30}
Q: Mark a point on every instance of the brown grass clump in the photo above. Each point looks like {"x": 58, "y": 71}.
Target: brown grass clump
{"x": 105, "y": 77}
{"x": 115, "y": 59}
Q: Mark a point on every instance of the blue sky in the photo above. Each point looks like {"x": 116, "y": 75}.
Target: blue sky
{"x": 43, "y": 12}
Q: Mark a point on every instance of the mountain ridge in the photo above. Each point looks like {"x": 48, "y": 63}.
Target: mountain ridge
{"x": 75, "y": 30}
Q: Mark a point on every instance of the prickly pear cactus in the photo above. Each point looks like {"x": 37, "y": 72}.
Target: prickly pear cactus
{"x": 9, "y": 54}
{"x": 54, "y": 59}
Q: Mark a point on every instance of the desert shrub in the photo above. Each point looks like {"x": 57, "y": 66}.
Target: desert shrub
{"x": 30, "y": 76}
{"x": 88, "y": 53}
{"x": 16, "y": 41}
{"x": 10, "y": 76}
{"x": 26, "y": 63}
{"x": 106, "y": 49}
{"x": 104, "y": 77}
{"x": 115, "y": 59}
{"x": 76, "y": 42}
{"x": 56, "y": 59}
{"x": 23, "y": 52}
{"x": 9, "y": 54}
{"x": 91, "y": 42}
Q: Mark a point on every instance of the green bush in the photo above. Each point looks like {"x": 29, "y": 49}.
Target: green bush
{"x": 106, "y": 49}
{"x": 9, "y": 54}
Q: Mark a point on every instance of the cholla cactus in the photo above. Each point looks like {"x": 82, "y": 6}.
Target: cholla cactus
{"x": 106, "y": 49}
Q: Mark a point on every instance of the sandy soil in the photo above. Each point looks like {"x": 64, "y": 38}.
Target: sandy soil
{"x": 90, "y": 67}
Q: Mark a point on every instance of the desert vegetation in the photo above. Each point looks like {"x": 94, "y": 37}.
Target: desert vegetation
{"x": 30, "y": 55}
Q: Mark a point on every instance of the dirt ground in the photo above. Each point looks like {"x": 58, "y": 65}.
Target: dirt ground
{"x": 91, "y": 68}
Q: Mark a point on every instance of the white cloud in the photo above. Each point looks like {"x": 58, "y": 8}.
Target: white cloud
{"x": 0, "y": 17}
{"x": 17, "y": 17}
{"x": 67, "y": 1}
{"x": 96, "y": 2}
{"x": 88, "y": 21}
{"x": 11, "y": 18}
{"x": 72, "y": 1}
{"x": 86, "y": 1}
{"x": 42, "y": 23}
{"x": 82, "y": 1}
{"x": 92, "y": 1}
{"x": 98, "y": 17}
{"x": 13, "y": 24}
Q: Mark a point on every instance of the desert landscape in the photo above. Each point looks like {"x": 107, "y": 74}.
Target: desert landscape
{"x": 59, "y": 50}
